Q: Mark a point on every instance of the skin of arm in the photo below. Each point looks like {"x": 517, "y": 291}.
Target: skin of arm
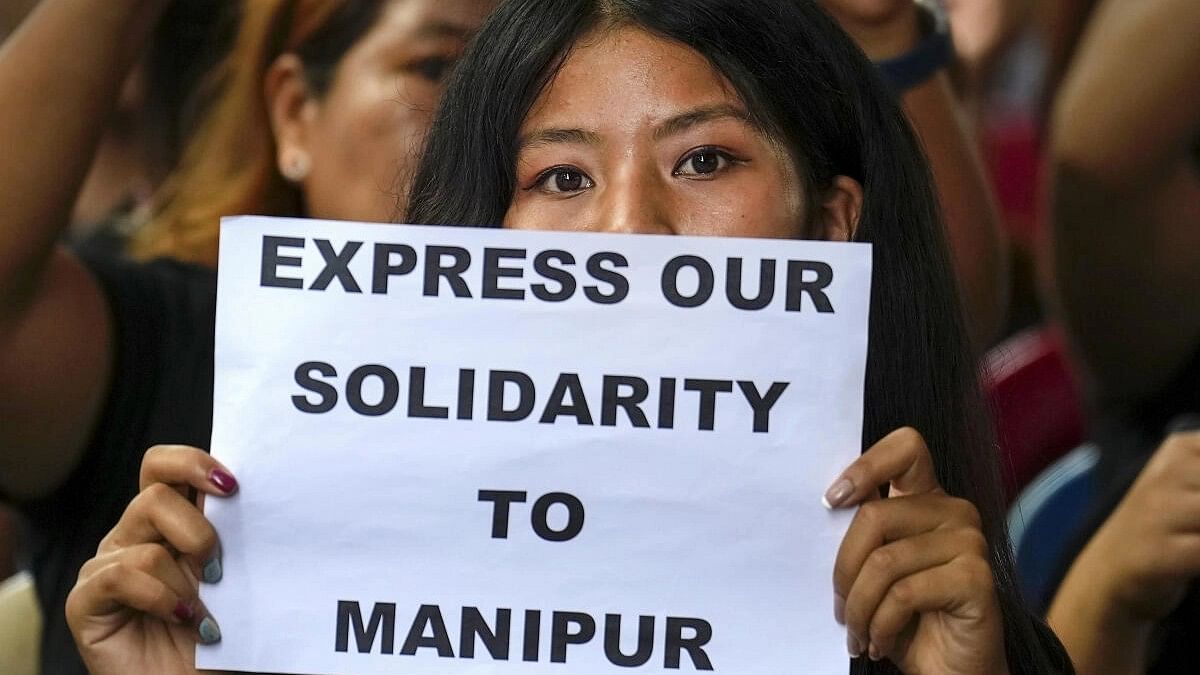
{"x": 1101, "y": 639}
{"x": 1126, "y": 196}
{"x": 60, "y": 75}
{"x": 977, "y": 243}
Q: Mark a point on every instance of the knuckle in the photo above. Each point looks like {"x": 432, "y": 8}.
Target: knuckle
{"x": 108, "y": 579}
{"x": 974, "y": 572}
{"x": 1178, "y": 447}
{"x": 965, "y": 512}
{"x": 904, "y": 592}
{"x": 881, "y": 560}
{"x": 872, "y": 515}
{"x": 151, "y": 558}
{"x": 857, "y": 619}
{"x": 87, "y": 569}
{"x": 910, "y": 438}
{"x": 882, "y": 631}
{"x": 154, "y": 494}
{"x": 153, "y": 456}
{"x": 74, "y": 606}
{"x": 200, "y": 539}
{"x": 974, "y": 542}
{"x": 154, "y": 452}
{"x": 164, "y": 598}
{"x": 863, "y": 470}
{"x": 108, "y": 543}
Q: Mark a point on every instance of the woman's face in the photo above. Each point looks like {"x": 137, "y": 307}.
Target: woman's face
{"x": 360, "y": 140}
{"x": 640, "y": 134}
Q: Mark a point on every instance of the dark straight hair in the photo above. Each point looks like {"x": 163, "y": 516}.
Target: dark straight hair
{"x": 808, "y": 84}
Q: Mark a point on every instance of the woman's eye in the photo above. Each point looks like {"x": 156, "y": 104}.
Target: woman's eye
{"x": 703, "y": 162}
{"x": 435, "y": 68}
{"x": 563, "y": 180}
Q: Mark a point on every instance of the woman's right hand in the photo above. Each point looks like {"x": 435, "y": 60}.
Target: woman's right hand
{"x": 135, "y": 608}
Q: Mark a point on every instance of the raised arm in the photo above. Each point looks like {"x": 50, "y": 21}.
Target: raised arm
{"x": 1126, "y": 195}
{"x": 889, "y": 28}
{"x": 60, "y": 75}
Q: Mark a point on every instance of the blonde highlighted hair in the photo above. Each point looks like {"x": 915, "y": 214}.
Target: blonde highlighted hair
{"x": 229, "y": 166}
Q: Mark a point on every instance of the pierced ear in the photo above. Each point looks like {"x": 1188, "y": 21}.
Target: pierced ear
{"x": 292, "y": 110}
{"x": 841, "y": 207}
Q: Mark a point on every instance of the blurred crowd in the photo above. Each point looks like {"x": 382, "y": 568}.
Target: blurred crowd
{"x": 1064, "y": 141}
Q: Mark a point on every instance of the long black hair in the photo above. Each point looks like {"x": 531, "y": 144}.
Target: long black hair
{"x": 808, "y": 84}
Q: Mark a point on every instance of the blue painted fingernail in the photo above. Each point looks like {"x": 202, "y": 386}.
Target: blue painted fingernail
{"x": 210, "y": 633}
{"x": 212, "y": 570}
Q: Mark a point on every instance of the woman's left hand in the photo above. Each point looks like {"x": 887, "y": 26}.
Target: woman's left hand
{"x": 912, "y": 579}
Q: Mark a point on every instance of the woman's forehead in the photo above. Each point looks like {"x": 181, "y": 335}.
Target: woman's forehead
{"x": 626, "y": 75}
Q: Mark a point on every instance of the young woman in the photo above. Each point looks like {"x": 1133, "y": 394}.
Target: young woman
{"x": 716, "y": 117}
{"x": 316, "y": 111}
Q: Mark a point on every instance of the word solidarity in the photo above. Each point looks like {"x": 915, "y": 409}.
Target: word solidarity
{"x": 428, "y": 630}
{"x": 686, "y": 281}
{"x": 512, "y": 396}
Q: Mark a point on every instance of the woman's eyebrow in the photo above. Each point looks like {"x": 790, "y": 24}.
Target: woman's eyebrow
{"x": 684, "y": 121}
{"x": 549, "y": 136}
{"x": 443, "y": 29}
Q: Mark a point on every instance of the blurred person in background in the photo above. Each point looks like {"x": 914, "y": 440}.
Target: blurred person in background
{"x": 1010, "y": 58}
{"x": 325, "y": 124}
{"x": 1126, "y": 226}
{"x": 889, "y": 32}
{"x": 312, "y": 113}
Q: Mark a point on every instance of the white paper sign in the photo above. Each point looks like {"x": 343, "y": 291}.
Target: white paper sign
{"x": 469, "y": 451}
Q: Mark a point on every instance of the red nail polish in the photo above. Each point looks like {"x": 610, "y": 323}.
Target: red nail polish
{"x": 183, "y": 612}
{"x": 224, "y": 482}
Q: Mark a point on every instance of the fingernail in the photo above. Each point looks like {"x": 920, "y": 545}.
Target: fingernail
{"x": 212, "y": 571}
{"x": 183, "y": 612}
{"x": 210, "y": 633}
{"x": 853, "y": 646}
{"x": 838, "y": 493}
{"x": 223, "y": 480}
{"x": 839, "y": 608}
{"x": 873, "y": 652}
